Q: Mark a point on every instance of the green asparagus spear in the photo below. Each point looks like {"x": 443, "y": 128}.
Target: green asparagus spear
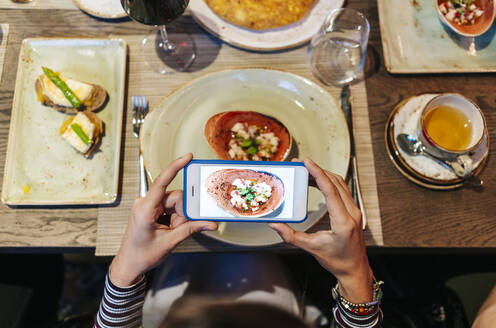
{"x": 79, "y": 131}
{"x": 68, "y": 93}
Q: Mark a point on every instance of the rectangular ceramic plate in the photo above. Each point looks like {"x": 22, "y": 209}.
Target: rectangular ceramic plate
{"x": 37, "y": 156}
{"x": 414, "y": 40}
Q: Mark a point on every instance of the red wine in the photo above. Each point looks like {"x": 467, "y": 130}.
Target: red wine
{"x": 154, "y": 12}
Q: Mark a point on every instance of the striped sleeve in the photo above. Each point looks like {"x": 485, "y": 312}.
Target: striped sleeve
{"x": 121, "y": 307}
{"x": 346, "y": 319}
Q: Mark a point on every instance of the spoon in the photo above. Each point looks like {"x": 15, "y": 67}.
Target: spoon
{"x": 412, "y": 146}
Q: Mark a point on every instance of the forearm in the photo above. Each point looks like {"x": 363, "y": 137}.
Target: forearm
{"x": 121, "y": 307}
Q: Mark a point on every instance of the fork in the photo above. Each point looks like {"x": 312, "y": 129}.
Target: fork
{"x": 140, "y": 109}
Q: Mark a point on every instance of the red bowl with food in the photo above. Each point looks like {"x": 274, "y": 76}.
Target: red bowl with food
{"x": 248, "y": 136}
{"x": 469, "y": 18}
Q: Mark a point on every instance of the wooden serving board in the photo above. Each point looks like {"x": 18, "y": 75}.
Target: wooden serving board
{"x": 214, "y": 56}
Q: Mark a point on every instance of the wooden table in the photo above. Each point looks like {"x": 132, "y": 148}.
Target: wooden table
{"x": 411, "y": 216}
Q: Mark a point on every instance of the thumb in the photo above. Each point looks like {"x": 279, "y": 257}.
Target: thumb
{"x": 186, "y": 229}
{"x": 293, "y": 237}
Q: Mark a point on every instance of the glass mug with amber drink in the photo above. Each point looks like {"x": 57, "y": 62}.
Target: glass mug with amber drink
{"x": 451, "y": 127}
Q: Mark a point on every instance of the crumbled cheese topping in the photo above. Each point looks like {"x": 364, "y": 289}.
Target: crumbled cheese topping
{"x": 249, "y": 194}
{"x": 462, "y": 12}
{"x": 250, "y": 142}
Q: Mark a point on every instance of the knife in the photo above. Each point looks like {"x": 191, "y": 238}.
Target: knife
{"x": 353, "y": 169}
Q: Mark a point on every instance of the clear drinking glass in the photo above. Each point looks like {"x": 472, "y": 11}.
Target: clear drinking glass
{"x": 337, "y": 52}
{"x": 161, "y": 51}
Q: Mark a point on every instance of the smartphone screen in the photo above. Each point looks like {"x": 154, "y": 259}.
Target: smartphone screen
{"x": 245, "y": 191}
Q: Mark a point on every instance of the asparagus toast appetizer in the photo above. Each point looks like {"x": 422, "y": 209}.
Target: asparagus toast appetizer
{"x": 83, "y": 132}
{"x": 68, "y": 95}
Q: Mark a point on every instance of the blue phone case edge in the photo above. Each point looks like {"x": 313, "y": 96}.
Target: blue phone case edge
{"x": 218, "y": 161}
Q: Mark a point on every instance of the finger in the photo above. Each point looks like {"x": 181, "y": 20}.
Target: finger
{"x": 174, "y": 200}
{"x": 312, "y": 182}
{"x": 311, "y": 179}
{"x": 177, "y": 220}
{"x": 157, "y": 189}
{"x": 344, "y": 192}
{"x": 186, "y": 229}
{"x": 335, "y": 204}
{"x": 293, "y": 237}
{"x": 353, "y": 209}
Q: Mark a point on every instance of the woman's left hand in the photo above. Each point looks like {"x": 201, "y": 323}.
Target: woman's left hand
{"x": 146, "y": 242}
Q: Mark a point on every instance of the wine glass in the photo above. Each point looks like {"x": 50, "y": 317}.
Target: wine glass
{"x": 337, "y": 52}
{"x": 161, "y": 51}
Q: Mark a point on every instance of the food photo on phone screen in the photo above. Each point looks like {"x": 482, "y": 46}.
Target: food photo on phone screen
{"x": 246, "y": 192}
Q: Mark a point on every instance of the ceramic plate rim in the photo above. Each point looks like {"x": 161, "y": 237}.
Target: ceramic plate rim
{"x": 13, "y": 119}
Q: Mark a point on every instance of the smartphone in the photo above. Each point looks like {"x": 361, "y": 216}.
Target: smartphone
{"x": 248, "y": 191}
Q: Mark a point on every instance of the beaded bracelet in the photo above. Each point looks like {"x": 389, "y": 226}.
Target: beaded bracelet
{"x": 360, "y": 308}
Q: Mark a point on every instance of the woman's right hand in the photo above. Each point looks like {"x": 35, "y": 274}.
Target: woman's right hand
{"x": 341, "y": 249}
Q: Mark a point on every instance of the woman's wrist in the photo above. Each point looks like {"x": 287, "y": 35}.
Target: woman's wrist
{"x": 357, "y": 287}
{"x": 122, "y": 275}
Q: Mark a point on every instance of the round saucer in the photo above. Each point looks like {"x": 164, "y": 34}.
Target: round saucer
{"x": 107, "y": 9}
{"x": 420, "y": 169}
